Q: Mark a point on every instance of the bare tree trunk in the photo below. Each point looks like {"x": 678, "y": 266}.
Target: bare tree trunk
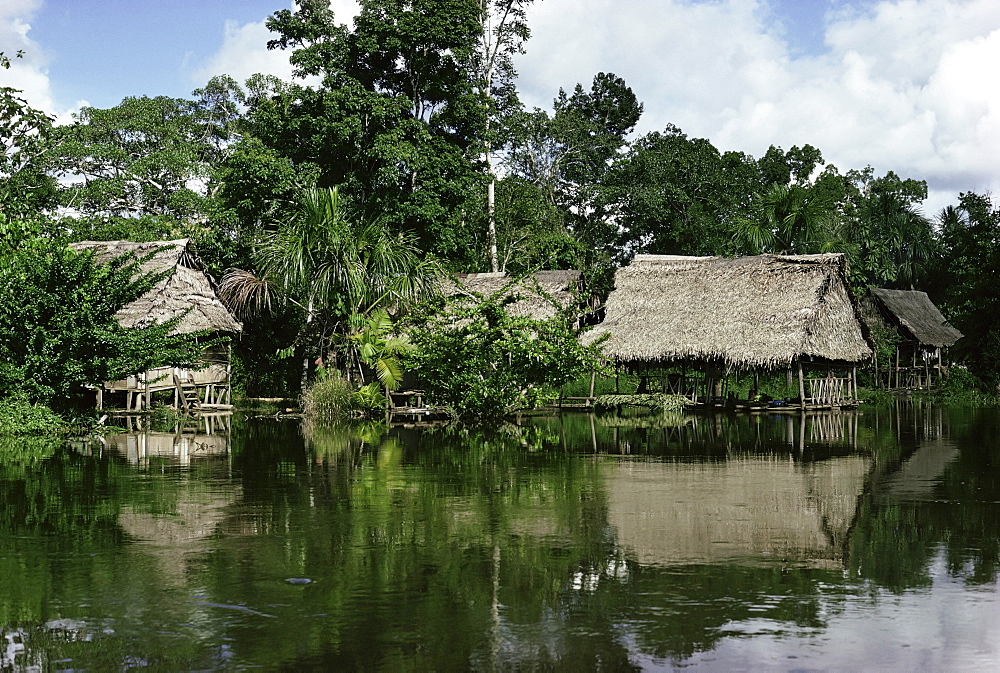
{"x": 305, "y": 358}
{"x": 491, "y": 226}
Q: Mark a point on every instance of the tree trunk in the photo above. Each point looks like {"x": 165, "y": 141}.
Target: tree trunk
{"x": 491, "y": 218}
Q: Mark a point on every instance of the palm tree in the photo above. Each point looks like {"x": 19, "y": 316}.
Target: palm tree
{"x": 896, "y": 238}
{"x": 331, "y": 267}
{"x": 790, "y": 220}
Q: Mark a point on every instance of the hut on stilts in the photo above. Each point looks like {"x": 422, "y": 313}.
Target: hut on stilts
{"x": 709, "y": 316}
{"x": 921, "y": 334}
{"x": 186, "y": 291}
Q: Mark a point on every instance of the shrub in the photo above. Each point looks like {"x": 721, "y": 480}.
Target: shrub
{"x": 483, "y": 362}
{"x": 20, "y": 417}
{"x": 67, "y": 337}
{"x": 329, "y": 398}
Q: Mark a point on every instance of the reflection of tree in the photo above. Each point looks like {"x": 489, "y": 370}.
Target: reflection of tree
{"x": 897, "y": 535}
{"x": 69, "y": 569}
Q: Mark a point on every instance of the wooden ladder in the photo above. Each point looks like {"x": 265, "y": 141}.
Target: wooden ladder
{"x": 187, "y": 393}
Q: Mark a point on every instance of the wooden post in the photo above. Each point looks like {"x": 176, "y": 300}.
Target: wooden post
{"x": 802, "y": 388}
{"x": 854, "y": 385}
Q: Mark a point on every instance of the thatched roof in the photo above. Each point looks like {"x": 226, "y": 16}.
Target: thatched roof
{"x": 531, "y": 291}
{"x": 913, "y": 313}
{"x": 187, "y": 286}
{"x": 765, "y": 311}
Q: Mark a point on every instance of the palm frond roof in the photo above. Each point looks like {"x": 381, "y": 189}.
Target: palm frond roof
{"x": 765, "y": 311}
{"x": 185, "y": 288}
{"x": 530, "y": 293}
{"x": 913, "y": 312}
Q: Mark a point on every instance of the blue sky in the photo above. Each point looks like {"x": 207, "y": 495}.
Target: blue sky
{"x": 904, "y": 85}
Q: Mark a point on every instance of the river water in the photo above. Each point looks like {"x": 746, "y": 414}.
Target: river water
{"x": 865, "y": 540}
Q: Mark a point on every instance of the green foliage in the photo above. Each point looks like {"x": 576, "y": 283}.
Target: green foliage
{"x": 967, "y": 281}
{"x": 21, "y": 417}
{"x": 26, "y": 141}
{"x": 67, "y": 337}
{"x": 141, "y": 156}
{"x": 679, "y": 195}
{"x": 878, "y": 397}
{"x": 329, "y": 398}
{"x": 483, "y": 362}
{"x": 961, "y": 387}
{"x": 326, "y": 266}
{"x": 396, "y": 120}
{"x": 652, "y": 401}
{"x": 378, "y": 347}
{"x": 370, "y": 398}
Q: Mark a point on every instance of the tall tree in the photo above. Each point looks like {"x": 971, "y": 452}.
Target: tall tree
{"x": 680, "y": 195}
{"x": 145, "y": 156}
{"x": 569, "y": 154}
{"x": 503, "y": 32}
{"x": 395, "y": 120}
{"x": 890, "y": 241}
{"x": 27, "y": 142}
{"x": 967, "y": 281}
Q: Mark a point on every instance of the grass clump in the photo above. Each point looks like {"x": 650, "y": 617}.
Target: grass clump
{"x": 330, "y": 398}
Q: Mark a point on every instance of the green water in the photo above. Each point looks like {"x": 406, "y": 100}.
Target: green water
{"x": 855, "y": 541}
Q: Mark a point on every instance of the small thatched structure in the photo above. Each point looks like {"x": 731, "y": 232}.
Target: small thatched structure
{"x": 188, "y": 292}
{"x": 531, "y": 292}
{"x": 749, "y": 313}
{"x": 922, "y": 334}
{"x": 187, "y": 288}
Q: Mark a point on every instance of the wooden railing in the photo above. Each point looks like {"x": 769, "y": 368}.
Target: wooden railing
{"x": 831, "y": 391}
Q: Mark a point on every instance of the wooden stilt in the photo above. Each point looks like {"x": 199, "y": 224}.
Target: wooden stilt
{"x": 802, "y": 388}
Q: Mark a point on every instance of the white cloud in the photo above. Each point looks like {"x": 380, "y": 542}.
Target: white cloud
{"x": 29, "y": 74}
{"x": 904, "y": 85}
{"x": 244, "y": 53}
{"x": 244, "y": 50}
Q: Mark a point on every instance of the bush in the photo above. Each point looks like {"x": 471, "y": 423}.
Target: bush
{"x": 485, "y": 363}
{"x": 19, "y": 417}
{"x": 66, "y": 336}
{"x": 330, "y": 398}
{"x": 962, "y": 387}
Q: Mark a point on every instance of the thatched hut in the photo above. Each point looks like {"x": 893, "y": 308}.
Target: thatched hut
{"x": 188, "y": 292}
{"x": 539, "y": 295}
{"x": 751, "y": 313}
{"x": 922, "y": 335}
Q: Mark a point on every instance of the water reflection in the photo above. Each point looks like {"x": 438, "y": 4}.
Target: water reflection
{"x": 570, "y": 542}
{"x": 188, "y": 438}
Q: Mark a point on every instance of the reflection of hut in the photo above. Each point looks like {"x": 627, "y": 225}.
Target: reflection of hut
{"x": 539, "y": 295}
{"x": 923, "y": 336}
{"x": 749, "y": 313}
{"x": 186, "y": 291}
{"x": 208, "y": 436}
{"x": 754, "y": 508}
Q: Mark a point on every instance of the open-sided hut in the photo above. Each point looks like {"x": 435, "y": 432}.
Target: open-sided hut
{"x": 751, "y": 313}
{"x": 539, "y": 295}
{"x": 186, "y": 291}
{"x": 922, "y": 334}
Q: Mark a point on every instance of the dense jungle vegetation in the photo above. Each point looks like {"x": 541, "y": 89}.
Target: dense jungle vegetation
{"x": 401, "y": 151}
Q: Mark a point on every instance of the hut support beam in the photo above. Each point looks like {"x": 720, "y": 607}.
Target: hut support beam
{"x": 802, "y": 388}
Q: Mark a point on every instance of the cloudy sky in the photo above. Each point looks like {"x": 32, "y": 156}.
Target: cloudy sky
{"x": 904, "y": 85}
